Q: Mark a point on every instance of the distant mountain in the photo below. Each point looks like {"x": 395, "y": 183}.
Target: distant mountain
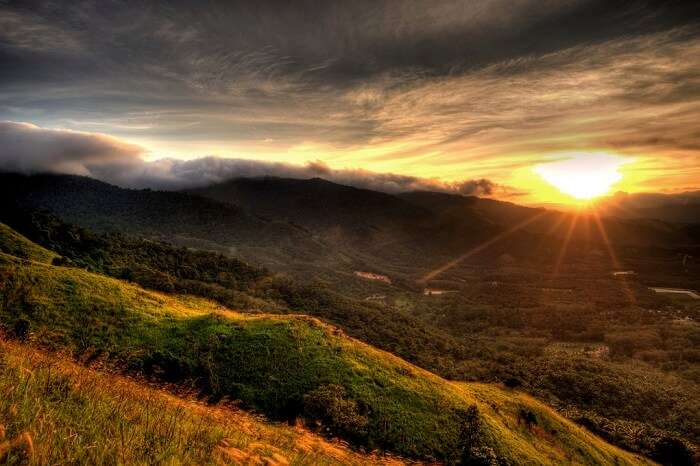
{"x": 182, "y": 218}
{"x": 308, "y": 227}
{"x": 621, "y": 230}
{"x": 414, "y": 233}
{"x": 679, "y": 208}
{"x": 487, "y": 210}
{"x": 324, "y": 230}
{"x": 372, "y": 222}
{"x": 318, "y": 204}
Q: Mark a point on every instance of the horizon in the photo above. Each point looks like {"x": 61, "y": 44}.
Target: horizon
{"x": 581, "y": 207}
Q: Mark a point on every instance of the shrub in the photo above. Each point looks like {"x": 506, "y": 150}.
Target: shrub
{"x": 15, "y": 300}
{"x": 340, "y": 415}
{"x": 513, "y": 382}
{"x": 528, "y": 417}
{"x": 21, "y": 328}
{"x": 61, "y": 261}
{"x": 672, "y": 451}
{"x": 473, "y": 451}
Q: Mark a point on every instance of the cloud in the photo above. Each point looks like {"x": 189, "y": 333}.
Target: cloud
{"x": 27, "y": 148}
{"x": 476, "y": 187}
{"x": 178, "y": 174}
{"x": 444, "y": 89}
{"x": 38, "y": 35}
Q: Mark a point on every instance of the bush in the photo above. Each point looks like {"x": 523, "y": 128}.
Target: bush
{"x": 15, "y": 300}
{"x": 672, "y": 451}
{"x": 513, "y": 382}
{"x": 527, "y": 417}
{"x": 61, "y": 261}
{"x": 21, "y": 328}
{"x": 473, "y": 450}
{"x": 629, "y": 343}
{"x": 329, "y": 406}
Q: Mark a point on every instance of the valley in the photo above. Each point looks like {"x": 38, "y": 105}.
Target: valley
{"x": 518, "y": 301}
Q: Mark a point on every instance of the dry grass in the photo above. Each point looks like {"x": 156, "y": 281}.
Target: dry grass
{"x": 53, "y": 411}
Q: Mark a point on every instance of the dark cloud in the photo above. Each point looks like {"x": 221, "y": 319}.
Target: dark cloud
{"x": 210, "y": 44}
{"x": 26, "y": 148}
{"x": 175, "y": 174}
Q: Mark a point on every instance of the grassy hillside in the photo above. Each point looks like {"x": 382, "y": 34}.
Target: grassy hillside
{"x": 162, "y": 267}
{"x": 56, "y": 412}
{"x": 287, "y": 367}
{"x": 17, "y": 245}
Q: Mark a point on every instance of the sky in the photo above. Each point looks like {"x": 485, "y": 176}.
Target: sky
{"x": 486, "y": 97}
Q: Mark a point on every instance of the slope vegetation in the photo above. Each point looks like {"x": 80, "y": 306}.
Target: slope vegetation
{"x": 14, "y": 244}
{"x": 54, "y": 411}
{"x": 286, "y": 367}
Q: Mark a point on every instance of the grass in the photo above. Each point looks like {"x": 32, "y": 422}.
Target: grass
{"x": 74, "y": 415}
{"x": 17, "y": 245}
{"x": 535, "y": 431}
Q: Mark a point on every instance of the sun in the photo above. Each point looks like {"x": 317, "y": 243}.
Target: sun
{"x": 583, "y": 175}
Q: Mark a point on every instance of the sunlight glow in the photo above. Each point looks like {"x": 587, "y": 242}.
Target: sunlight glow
{"x": 434, "y": 273}
{"x": 583, "y": 175}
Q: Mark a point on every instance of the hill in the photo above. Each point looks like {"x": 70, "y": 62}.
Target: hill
{"x": 66, "y": 413}
{"x": 14, "y": 244}
{"x": 317, "y": 203}
{"x": 344, "y": 231}
{"x": 680, "y": 208}
{"x": 381, "y": 229}
{"x": 162, "y": 267}
{"x": 321, "y": 205}
{"x": 323, "y": 231}
{"x": 552, "y": 225}
{"x": 181, "y": 218}
{"x": 287, "y": 367}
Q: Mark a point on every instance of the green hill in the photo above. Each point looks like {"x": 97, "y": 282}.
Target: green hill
{"x": 17, "y": 245}
{"x": 287, "y": 367}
